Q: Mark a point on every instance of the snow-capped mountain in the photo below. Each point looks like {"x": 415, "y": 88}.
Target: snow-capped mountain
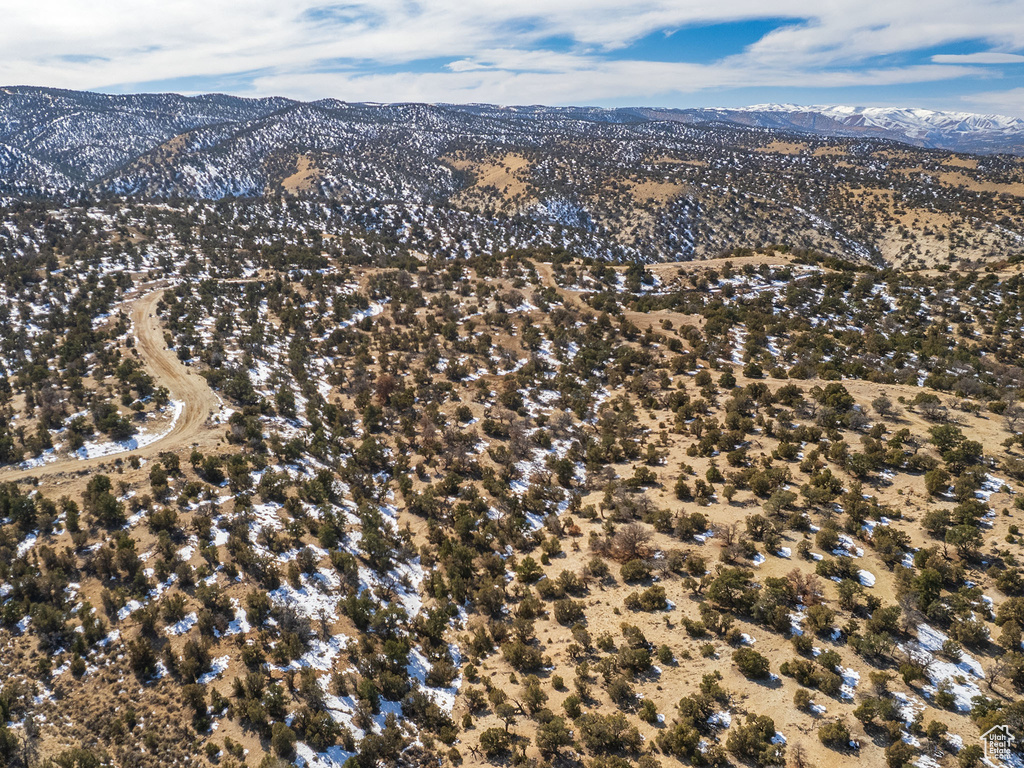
{"x": 909, "y": 120}
{"x": 957, "y": 131}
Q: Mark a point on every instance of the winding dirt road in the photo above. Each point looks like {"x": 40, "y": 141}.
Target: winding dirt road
{"x": 183, "y": 384}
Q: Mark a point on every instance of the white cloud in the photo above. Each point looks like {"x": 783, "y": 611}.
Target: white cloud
{"x": 1008, "y": 102}
{"x": 985, "y": 57}
{"x": 645, "y": 83}
{"x": 495, "y": 50}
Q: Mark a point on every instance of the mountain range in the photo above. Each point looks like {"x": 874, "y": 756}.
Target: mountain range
{"x": 954, "y": 131}
{"x": 65, "y": 140}
{"x": 636, "y": 183}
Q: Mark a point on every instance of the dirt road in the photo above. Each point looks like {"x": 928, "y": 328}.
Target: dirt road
{"x": 184, "y": 385}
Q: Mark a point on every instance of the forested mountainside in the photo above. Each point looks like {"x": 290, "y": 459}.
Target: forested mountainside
{"x": 307, "y": 479}
{"x": 649, "y": 185}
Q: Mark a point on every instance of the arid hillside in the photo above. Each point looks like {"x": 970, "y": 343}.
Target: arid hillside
{"x": 281, "y": 487}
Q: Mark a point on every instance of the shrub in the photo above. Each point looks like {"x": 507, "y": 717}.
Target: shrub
{"x": 970, "y": 756}
{"x": 653, "y": 599}
{"x": 572, "y": 707}
{"x": 830, "y": 683}
{"x": 598, "y": 568}
{"x": 899, "y": 754}
{"x": 523, "y": 657}
{"x": 142, "y": 658}
{"x": 829, "y": 660}
{"x": 635, "y": 570}
{"x": 834, "y": 735}
{"x": 803, "y": 643}
{"x": 753, "y": 742}
{"x": 528, "y": 570}
{"x": 282, "y": 739}
{"x": 568, "y": 612}
{"x": 495, "y": 742}
{"x": 944, "y": 698}
{"x": 552, "y": 735}
{"x": 603, "y": 734}
{"x": 802, "y": 699}
{"x": 682, "y": 741}
{"x": 621, "y": 692}
{"x": 665, "y": 655}
{"x": 648, "y": 712}
{"x": 751, "y": 663}
{"x": 634, "y": 659}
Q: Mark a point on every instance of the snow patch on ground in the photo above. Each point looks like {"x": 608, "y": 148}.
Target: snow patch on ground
{"x": 92, "y": 449}
{"x": 183, "y": 626}
{"x": 335, "y": 757}
{"x": 27, "y": 543}
{"x": 851, "y": 679}
{"x": 217, "y": 668}
{"x": 959, "y": 676}
{"x": 129, "y": 608}
{"x": 721, "y": 719}
{"x": 418, "y": 668}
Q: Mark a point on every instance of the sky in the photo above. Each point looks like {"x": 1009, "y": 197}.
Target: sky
{"x": 965, "y": 55}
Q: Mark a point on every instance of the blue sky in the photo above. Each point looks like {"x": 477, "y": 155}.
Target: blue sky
{"x": 673, "y": 53}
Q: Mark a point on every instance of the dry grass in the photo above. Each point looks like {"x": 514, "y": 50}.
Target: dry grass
{"x": 962, "y": 161}
{"x": 959, "y": 179}
{"x": 779, "y": 147}
{"x": 667, "y": 160}
{"x": 656, "y": 191}
{"x": 306, "y": 175}
{"x": 507, "y": 177}
{"x": 605, "y": 614}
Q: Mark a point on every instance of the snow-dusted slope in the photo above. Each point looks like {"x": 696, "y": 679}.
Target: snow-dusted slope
{"x": 24, "y": 172}
{"x": 216, "y": 145}
{"x": 85, "y": 135}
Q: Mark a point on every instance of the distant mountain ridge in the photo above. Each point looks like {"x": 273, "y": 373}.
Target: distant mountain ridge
{"x": 955, "y": 131}
{"x": 635, "y": 183}
{"x": 59, "y": 140}
{"x": 952, "y": 131}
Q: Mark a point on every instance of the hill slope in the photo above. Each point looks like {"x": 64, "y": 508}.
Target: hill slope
{"x": 653, "y": 185}
{"x": 276, "y": 487}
